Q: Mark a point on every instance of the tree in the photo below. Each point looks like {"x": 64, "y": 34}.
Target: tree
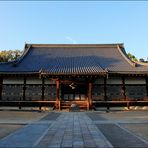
{"x": 141, "y": 60}
{"x": 132, "y": 57}
{"x": 9, "y": 55}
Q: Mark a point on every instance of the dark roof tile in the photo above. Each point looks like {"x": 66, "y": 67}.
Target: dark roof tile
{"x": 73, "y": 59}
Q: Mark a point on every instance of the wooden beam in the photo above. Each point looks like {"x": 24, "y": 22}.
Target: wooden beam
{"x": 24, "y": 89}
{"x": 1, "y": 87}
{"x": 43, "y": 88}
{"x": 123, "y": 88}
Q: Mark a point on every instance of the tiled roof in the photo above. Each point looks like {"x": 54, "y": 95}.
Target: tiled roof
{"x": 74, "y": 65}
{"x": 73, "y": 59}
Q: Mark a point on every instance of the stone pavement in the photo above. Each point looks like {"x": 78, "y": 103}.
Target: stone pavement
{"x": 72, "y": 129}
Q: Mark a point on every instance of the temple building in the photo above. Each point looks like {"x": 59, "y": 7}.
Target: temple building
{"x": 61, "y": 74}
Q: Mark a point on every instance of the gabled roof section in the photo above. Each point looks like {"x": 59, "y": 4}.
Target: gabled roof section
{"x": 73, "y": 59}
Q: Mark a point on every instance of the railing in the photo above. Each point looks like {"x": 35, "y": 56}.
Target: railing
{"x": 40, "y": 104}
{"x": 126, "y": 103}
{"x": 21, "y": 104}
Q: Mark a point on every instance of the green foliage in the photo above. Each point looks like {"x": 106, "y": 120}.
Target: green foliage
{"x": 9, "y": 55}
{"x": 132, "y": 57}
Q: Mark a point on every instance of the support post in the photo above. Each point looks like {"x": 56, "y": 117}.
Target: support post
{"x": 43, "y": 88}
{"x": 24, "y": 89}
{"x": 57, "y": 95}
{"x": 146, "y": 79}
{"x": 123, "y": 88}
{"x": 105, "y": 89}
{"x": 87, "y": 102}
{"x": 90, "y": 94}
{"x": 1, "y": 87}
{"x": 105, "y": 94}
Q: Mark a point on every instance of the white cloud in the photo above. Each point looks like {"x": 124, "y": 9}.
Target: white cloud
{"x": 70, "y": 39}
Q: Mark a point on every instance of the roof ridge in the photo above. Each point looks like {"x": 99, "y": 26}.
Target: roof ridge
{"x": 76, "y": 45}
{"x": 124, "y": 55}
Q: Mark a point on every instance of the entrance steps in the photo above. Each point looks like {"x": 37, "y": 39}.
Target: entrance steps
{"x": 66, "y": 105}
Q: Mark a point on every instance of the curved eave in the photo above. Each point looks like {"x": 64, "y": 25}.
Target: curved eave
{"x": 26, "y": 50}
{"x": 125, "y": 56}
{"x": 97, "y": 73}
{"x": 141, "y": 63}
{"x": 129, "y": 72}
{"x": 22, "y": 72}
{"x": 18, "y": 60}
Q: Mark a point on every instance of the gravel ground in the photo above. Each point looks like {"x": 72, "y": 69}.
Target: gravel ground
{"x": 21, "y": 117}
{"x": 139, "y": 129}
{"x": 131, "y": 116}
{"x": 11, "y": 120}
{"x": 6, "y": 129}
{"x": 120, "y": 138}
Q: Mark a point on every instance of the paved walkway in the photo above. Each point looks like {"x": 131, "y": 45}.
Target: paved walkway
{"x": 72, "y": 129}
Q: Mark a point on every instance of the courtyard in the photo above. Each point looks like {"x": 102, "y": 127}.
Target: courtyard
{"x": 28, "y": 128}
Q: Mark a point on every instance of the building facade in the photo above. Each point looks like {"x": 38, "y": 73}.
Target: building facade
{"x": 61, "y": 74}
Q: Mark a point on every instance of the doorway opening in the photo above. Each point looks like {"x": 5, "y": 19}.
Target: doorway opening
{"x": 74, "y": 92}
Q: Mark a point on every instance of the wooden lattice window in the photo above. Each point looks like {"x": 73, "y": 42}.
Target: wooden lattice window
{"x": 50, "y": 92}
{"x": 12, "y": 92}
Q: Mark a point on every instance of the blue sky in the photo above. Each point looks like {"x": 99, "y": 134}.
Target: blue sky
{"x": 75, "y": 22}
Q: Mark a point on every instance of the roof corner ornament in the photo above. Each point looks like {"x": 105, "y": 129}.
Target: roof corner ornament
{"x": 106, "y": 70}
{"x": 40, "y": 73}
{"x": 41, "y": 70}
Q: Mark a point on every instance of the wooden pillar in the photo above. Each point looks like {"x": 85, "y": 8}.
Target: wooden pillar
{"x": 105, "y": 89}
{"x": 87, "y": 102}
{"x": 90, "y": 94}
{"x": 123, "y": 88}
{"x": 43, "y": 88}
{"x": 146, "y": 79}
{"x": 57, "y": 95}
{"x": 105, "y": 93}
{"x": 24, "y": 89}
{"x": 1, "y": 87}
